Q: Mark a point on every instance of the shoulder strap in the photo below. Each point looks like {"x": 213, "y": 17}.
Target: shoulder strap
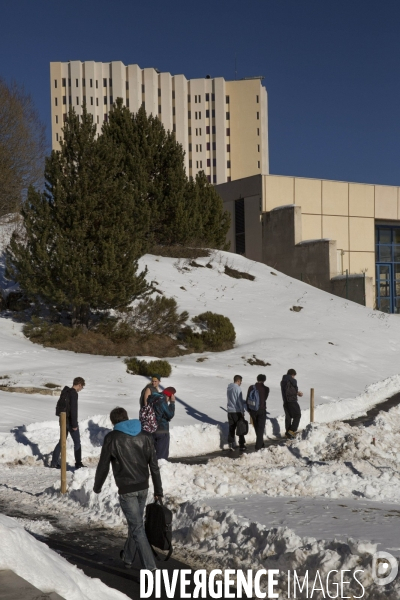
{"x": 170, "y": 549}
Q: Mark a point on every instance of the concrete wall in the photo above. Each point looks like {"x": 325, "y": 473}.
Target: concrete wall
{"x": 312, "y": 261}
{"x": 222, "y": 125}
{"x": 284, "y": 249}
{"x": 341, "y": 212}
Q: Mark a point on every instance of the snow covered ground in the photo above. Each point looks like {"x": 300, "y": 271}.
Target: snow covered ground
{"x": 35, "y": 562}
{"x": 348, "y": 353}
{"x": 328, "y": 500}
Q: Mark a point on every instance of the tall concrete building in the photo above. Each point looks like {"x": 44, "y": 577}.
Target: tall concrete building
{"x": 222, "y": 125}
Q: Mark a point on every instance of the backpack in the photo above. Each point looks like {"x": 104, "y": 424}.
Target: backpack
{"x": 242, "y": 427}
{"x": 291, "y": 393}
{"x": 158, "y": 527}
{"x": 148, "y": 419}
{"x": 253, "y": 401}
{"x": 155, "y": 400}
{"x": 63, "y": 402}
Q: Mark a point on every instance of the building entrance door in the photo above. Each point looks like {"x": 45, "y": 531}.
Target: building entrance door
{"x": 388, "y": 268}
{"x": 385, "y": 292}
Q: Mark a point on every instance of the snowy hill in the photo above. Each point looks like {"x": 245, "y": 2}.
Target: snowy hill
{"x": 337, "y": 347}
{"x": 348, "y": 353}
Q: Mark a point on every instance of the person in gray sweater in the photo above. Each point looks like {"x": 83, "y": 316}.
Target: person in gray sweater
{"x": 235, "y": 409}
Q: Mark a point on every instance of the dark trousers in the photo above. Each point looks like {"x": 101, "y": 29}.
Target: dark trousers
{"x": 233, "y": 419}
{"x": 292, "y": 415}
{"x": 161, "y": 444}
{"x": 76, "y": 438}
{"x": 259, "y": 418}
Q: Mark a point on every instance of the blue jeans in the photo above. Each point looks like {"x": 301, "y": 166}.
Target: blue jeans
{"x": 132, "y": 505}
{"x": 76, "y": 438}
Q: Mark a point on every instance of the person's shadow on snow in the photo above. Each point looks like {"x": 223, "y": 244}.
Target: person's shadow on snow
{"x": 197, "y": 414}
{"x": 193, "y": 412}
{"x": 276, "y": 429}
{"x": 21, "y": 438}
{"x": 97, "y": 433}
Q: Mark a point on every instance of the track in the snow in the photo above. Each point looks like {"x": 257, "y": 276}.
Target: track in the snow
{"x": 364, "y": 420}
{"x": 96, "y": 550}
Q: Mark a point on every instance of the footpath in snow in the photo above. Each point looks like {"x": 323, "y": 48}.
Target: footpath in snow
{"x": 226, "y": 512}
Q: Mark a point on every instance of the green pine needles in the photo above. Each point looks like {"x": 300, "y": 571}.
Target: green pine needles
{"x": 108, "y": 199}
{"x": 79, "y": 247}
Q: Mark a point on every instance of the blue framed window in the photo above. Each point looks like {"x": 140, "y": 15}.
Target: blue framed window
{"x": 387, "y": 260}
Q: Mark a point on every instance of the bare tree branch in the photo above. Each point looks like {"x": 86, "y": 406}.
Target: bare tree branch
{"x": 22, "y": 146}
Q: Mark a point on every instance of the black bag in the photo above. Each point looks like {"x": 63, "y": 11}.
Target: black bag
{"x": 63, "y": 402}
{"x": 242, "y": 427}
{"x": 158, "y": 527}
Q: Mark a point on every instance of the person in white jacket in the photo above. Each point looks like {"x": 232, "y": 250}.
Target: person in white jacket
{"x": 235, "y": 409}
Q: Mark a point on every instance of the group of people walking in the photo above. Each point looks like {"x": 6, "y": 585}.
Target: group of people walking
{"x": 132, "y": 449}
{"x": 158, "y": 403}
{"x": 134, "y": 446}
{"x": 256, "y": 405}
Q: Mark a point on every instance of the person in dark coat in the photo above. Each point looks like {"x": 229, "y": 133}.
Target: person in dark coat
{"x": 164, "y": 408}
{"x": 290, "y": 393}
{"x": 72, "y": 423}
{"x": 131, "y": 454}
{"x": 259, "y": 416}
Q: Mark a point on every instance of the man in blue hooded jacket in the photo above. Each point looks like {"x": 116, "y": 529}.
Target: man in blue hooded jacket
{"x": 131, "y": 454}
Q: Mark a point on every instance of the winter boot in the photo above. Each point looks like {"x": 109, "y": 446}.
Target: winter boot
{"x": 78, "y": 459}
{"x": 289, "y": 435}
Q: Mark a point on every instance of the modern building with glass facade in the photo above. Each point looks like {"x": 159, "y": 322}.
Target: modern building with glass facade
{"x": 387, "y": 255}
{"x": 340, "y": 236}
{"x": 222, "y": 125}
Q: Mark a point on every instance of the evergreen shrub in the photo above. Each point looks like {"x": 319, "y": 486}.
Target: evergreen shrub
{"x": 43, "y": 332}
{"x": 157, "y": 316}
{"x": 217, "y": 333}
{"x": 142, "y": 367}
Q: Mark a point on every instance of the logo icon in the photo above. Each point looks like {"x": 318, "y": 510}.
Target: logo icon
{"x": 384, "y": 568}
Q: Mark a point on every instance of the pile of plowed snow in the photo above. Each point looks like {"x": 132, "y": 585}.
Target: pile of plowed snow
{"x": 332, "y": 461}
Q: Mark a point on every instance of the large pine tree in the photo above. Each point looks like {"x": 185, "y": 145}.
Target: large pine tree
{"x": 176, "y": 211}
{"x": 84, "y": 234}
{"x": 211, "y": 220}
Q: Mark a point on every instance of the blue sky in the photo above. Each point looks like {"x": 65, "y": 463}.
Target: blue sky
{"x": 331, "y": 67}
